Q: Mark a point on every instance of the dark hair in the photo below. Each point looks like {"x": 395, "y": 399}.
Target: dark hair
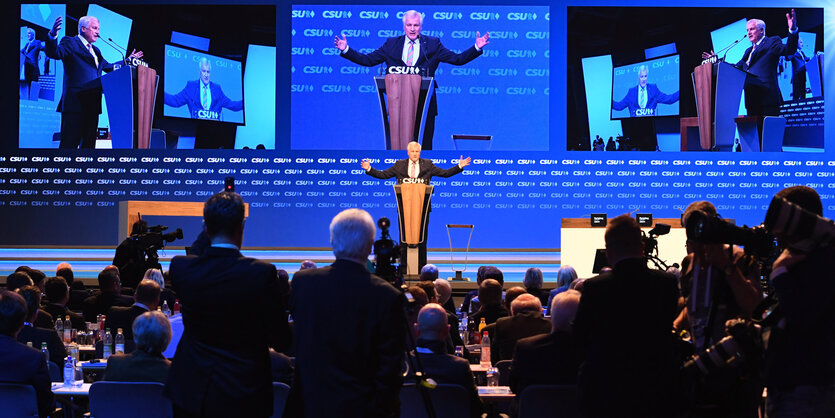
{"x": 107, "y": 280}
{"x": 803, "y": 196}
{"x": 17, "y": 280}
{"x": 12, "y": 312}
{"x": 139, "y": 227}
{"x": 511, "y": 294}
{"x": 428, "y": 287}
{"x": 36, "y": 275}
{"x": 623, "y": 234}
{"x": 492, "y": 272}
{"x": 67, "y": 274}
{"x": 490, "y": 292}
{"x": 32, "y": 297}
{"x": 147, "y": 292}
{"x": 419, "y": 295}
{"x": 55, "y": 289}
{"x": 223, "y": 213}
{"x": 282, "y": 274}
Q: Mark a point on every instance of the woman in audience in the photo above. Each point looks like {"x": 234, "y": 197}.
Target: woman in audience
{"x": 565, "y": 275}
{"x": 152, "y": 333}
{"x": 533, "y": 284}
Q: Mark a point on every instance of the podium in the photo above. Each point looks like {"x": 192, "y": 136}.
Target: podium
{"x": 404, "y": 105}
{"x": 413, "y": 205}
{"x": 130, "y": 93}
{"x": 814, "y": 71}
{"x": 718, "y": 88}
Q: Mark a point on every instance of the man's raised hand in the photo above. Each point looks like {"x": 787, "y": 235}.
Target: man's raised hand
{"x": 480, "y": 41}
{"x": 56, "y": 27}
{"x": 463, "y": 162}
{"x": 340, "y": 44}
{"x": 366, "y": 164}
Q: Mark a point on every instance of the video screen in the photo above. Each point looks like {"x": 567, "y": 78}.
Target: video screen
{"x": 202, "y": 86}
{"x": 648, "y": 88}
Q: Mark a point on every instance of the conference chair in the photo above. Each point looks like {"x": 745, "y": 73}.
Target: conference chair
{"x": 18, "y": 400}
{"x": 549, "y": 401}
{"x": 55, "y": 372}
{"x": 110, "y": 399}
{"x": 280, "y": 392}
{"x": 504, "y": 372}
{"x": 449, "y": 401}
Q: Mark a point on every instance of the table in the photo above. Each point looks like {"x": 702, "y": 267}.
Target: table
{"x": 64, "y": 395}
{"x": 58, "y": 388}
{"x": 495, "y": 393}
{"x": 478, "y": 368}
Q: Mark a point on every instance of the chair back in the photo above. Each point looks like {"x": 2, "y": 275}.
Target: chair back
{"x": 129, "y": 400}
{"x": 551, "y": 401}
{"x": 504, "y": 372}
{"x": 280, "y": 392}
{"x": 55, "y": 372}
{"x": 18, "y": 400}
{"x": 449, "y": 401}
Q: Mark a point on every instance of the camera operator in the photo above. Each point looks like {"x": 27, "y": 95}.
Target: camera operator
{"x": 800, "y": 360}
{"x": 719, "y": 282}
{"x": 130, "y": 256}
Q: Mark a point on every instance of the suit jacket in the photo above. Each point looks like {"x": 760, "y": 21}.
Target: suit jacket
{"x": 77, "y": 296}
{"x": 623, "y": 327}
{"x": 44, "y": 320}
{"x": 761, "y": 87}
{"x": 138, "y": 366}
{"x": 427, "y": 170}
{"x": 37, "y": 336}
{"x": 490, "y": 313}
{"x": 190, "y": 96}
{"x": 99, "y": 303}
{"x": 654, "y": 97}
{"x": 545, "y": 359}
{"x": 448, "y": 369}
{"x": 233, "y": 310}
{"x": 27, "y": 366}
{"x": 122, "y": 317}
{"x": 82, "y": 83}
{"x": 61, "y": 311}
{"x": 350, "y": 335}
{"x": 432, "y": 53}
{"x": 31, "y": 53}
{"x": 510, "y": 329}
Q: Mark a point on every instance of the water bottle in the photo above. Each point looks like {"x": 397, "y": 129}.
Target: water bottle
{"x": 493, "y": 377}
{"x": 45, "y": 351}
{"x": 485, "y": 350}
{"x": 59, "y": 327}
{"x": 102, "y": 321}
{"x": 69, "y": 372}
{"x": 165, "y": 310}
{"x": 459, "y": 351}
{"x": 67, "y": 329}
{"x": 176, "y": 306}
{"x": 107, "y": 343}
{"x": 120, "y": 342}
{"x": 462, "y": 331}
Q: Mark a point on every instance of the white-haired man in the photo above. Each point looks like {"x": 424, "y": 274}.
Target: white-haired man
{"x": 205, "y": 99}
{"x": 80, "y": 104}
{"x": 349, "y": 330}
{"x": 525, "y": 321}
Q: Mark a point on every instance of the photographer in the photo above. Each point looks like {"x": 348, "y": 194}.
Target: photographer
{"x": 800, "y": 360}
{"x": 719, "y": 282}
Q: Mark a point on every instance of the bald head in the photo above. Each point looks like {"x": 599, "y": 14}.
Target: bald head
{"x": 563, "y": 309}
{"x": 443, "y": 289}
{"x": 525, "y": 303}
{"x": 432, "y": 322}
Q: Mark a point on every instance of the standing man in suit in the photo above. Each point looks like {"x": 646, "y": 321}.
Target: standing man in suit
{"x": 643, "y": 98}
{"x": 233, "y": 311}
{"x": 629, "y": 362}
{"x": 799, "y": 60}
{"x": 80, "y": 104}
{"x": 414, "y": 50}
{"x": 205, "y": 100}
{"x": 31, "y": 55}
{"x": 349, "y": 330}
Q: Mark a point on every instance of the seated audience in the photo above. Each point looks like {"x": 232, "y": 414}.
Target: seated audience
{"x": 19, "y": 363}
{"x": 307, "y": 264}
{"x": 26, "y": 276}
{"x": 152, "y": 333}
{"x": 17, "y": 280}
{"x": 166, "y": 294}
{"x": 37, "y": 276}
{"x": 77, "y": 290}
{"x": 433, "y": 330}
{"x": 428, "y": 273}
{"x": 548, "y": 359}
{"x": 490, "y": 294}
{"x": 58, "y": 294}
{"x": 145, "y": 299}
{"x": 479, "y": 277}
{"x": 511, "y": 294}
{"x": 526, "y": 321}
{"x": 489, "y": 272}
{"x": 533, "y": 283}
{"x": 565, "y": 276}
{"x": 37, "y": 335}
{"x": 107, "y": 296}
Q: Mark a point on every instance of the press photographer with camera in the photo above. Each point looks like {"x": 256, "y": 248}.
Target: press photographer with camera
{"x": 719, "y": 283}
{"x": 800, "y": 360}
{"x": 138, "y": 252}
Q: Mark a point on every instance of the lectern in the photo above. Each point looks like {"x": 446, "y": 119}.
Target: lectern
{"x": 718, "y": 87}
{"x": 130, "y": 92}
{"x": 404, "y": 104}
{"x": 413, "y": 216}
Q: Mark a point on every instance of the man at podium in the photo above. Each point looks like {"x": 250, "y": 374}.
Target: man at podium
{"x": 205, "y": 99}
{"x": 415, "y": 169}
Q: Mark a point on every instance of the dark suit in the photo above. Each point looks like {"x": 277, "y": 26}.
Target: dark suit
{"x": 432, "y": 53}
{"x": 798, "y": 61}
{"x": 490, "y": 313}
{"x": 27, "y": 366}
{"x": 44, "y": 320}
{"x": 37, "y": 336}
{"x": 81, "y": 99}
{"x": 510, "y": 329}
{"x": 190, "y": 96}
{"x": 654, "y": 97}
{"x": 427, "y": 170}
{"x": 350, "y": 335}
{"x": 99, "y": 303}
{"x": 31, "y": 54}
{"x": 448, "y": 369}
{"x": 233, "y": 310}
{"x": 623, "y": 327}
{"x": 61, "y": 311}
{"x": 122, "y": 317}
{"x": 762, "y": 94}
{"x": 138, "y": 366}
{"x": 546, "y": 359}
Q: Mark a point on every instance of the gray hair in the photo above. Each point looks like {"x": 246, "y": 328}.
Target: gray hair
{"x": 525, "y": 302}
{"x": 443, "y": 289}
{"x": 411, "y": 13}
{"x": 156, "y": 276}
{"x": 308, "y": 264}
{"x": 204, "y": 61}
{"x": 84, "y": 22}
{"x": 533, "y": 278}
{"x": 566, "y": 275}
{"x": 760, "y": 24}
{"x": 563, "y": 309}
{"x": 352, "y": 234}
{"x": 152, "y": 332}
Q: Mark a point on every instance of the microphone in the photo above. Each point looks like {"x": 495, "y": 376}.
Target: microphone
{"x": 124, "y": 49}
{"x": 113, "y": 45}
{"x": 731, "y": 46}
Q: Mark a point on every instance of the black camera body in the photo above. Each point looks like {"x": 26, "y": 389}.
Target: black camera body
{"x": 153, "y": 240}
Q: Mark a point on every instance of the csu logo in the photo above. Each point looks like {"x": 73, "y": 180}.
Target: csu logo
{"x": 330, "y": 51}
{"x": 354, "y": 70}
{"x": 521, "y": 53}
{"x": 547, "y": 16}
{"x": 537, "y": 72}
{"x": 334, "y": 14}
{"x": 462, "y": 34}
{"x": 483, "y": 90}
{"x": 537, "y": 35}
{"x": 502, "y": 72}
{"x": 317, "y": 32}
{"x": 400, "y": 15}
{"x": 388, "y": 33}
{"x": 301, "y": 88}
{"x": 366, "y": 89}
{"x": 465, "y": 71}
{"x": 521, "y": 16}
{"x": 368, "y": 14}
{"x": 521, "y": 91}
{"x": 317, "y": 69}
{"x": 356, "y": 33}
{"x": 447, "y": 15}
{"x": 302, "y": 51}
{"x": 335, "y": 88}
{"x": 484, "y": 16}
{"x": 504, "y": 35}
{"x": 298, "y": 14}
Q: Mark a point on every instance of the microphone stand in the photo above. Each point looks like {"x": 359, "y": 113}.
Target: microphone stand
{"x": 114, "y": 46}
{"x": 729, "y": 48}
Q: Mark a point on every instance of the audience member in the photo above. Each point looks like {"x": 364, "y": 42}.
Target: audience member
{"x": 479, "y": 277}
{"x": 490, "y": 294}
{"x": 37, "y": 276}
{"x": 107, "y": 296}
{"x": 166, "y": 294}
{"x": 58, "y": 293}
{"x": 429, "y": 273}
{"x": 533, "y": 283}
{"x": 152, "y": 333}
{"x": 77, "y": 290}
{"x": 146, "y": 299}
{"x": 233, "y": 310}
{"x": 548, "y": 359}
{"x": 433, "y": 330}
{"x": 623, "y": 328}
{"x": 19, "y": 363}
{"x": 489, "y": 272}
{"x": 444, "y": 291}
{"x": 511, "y": 294}
{"x": 565, "y": 276}
{"x": 308, "y": 264}
{"x": 37, "y": 335}
{"x": 17, "y": 280}
{"x": 349, "y": 351}
{"x": 526, "y": 321}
